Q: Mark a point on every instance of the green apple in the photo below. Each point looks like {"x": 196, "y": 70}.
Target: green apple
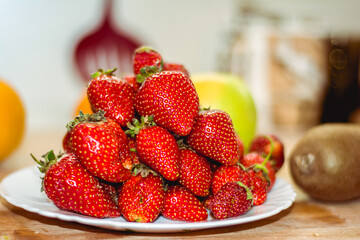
{"x": 229, "y": 93}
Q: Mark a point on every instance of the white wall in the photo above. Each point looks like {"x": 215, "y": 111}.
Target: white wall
{"x": 37, "y": 38}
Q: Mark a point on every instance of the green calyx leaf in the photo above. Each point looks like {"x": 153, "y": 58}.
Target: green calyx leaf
{"x": 133, "y": 129}
{"x": 136, "y": 126}
{"x": 144, "y": 49}
{"x": 95, "y": 117}
{"x": 48, "y": 159}
{"x": 148, "y": 71}
{"x": 248, "y": 191}
{"x": 201, "y": 108}
{"x": 101, "y": 71}
{"x": 143, "y": 170}
{"x": 138, "y": 219}
{"x": 182, "y": 145}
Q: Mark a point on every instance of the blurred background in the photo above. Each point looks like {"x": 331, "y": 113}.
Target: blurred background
{"x": 38, "y": 38}
{"x": 299, "y": 59}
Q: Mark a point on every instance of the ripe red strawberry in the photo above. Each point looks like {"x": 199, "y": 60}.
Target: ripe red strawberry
{"x": 262, "y": 145}
{"x": 66, "y": 143}
{"x": 146, "y": 61}
{"x": 157, "y": 148}
{"x": 175, "y": 67}
{"x": 131, "y": 79}
{"x": 141, "y": 197}
{"x": 207, "y": 201}
{"x": 233, "y": 199}
{"x": 71, "y": 187}
{"x": 182, "y": 205}
{"x": 171, "y": 98}
{"x": 195, "y": 173}
{"x": 113, "y": 95}
{"x": 133, "y": 153}
{"x": 258, "y": 185}
{"x": 256, "y": 161}
{"x": 213, "y": 136}
{"x": 111, "y": 189}
{"x": 225, "y": 174}
{"x": 101, "y": 146}
{"x": 240, "y": 145}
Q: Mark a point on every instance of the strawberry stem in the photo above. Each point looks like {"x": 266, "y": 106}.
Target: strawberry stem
{"x": 248, "y": 191}
{"x": 49, "y": 159}
{"x": 262, "y": 166}
{"x": 241, "y": 166}
{"x": 268, "y": 156}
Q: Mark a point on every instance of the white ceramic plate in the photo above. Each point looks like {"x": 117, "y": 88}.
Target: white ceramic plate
{"x": 22, "y": 189}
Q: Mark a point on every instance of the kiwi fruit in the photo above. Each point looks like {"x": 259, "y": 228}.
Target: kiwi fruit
{"x": 325, "y": 162}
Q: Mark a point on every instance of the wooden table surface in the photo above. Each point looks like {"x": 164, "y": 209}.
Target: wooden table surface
{"x": 305, "y": 219}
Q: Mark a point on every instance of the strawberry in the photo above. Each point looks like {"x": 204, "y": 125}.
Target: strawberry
{"x": 111, "y": 189}
{"x": 262, "y": 145}
{"x": 240, "y": 145}
{"x": 171, "y": 98}
{"x": 156, "y": 147}
{"x": 255, "y": 161}
{"x": 141, "y": 197}
{"x": 213, "y": 136}
{"x": 71, "y": 187}
{"x": 233, "y": 199}
{"x": 182, "y": 205}
{"x": 146, "y": 61}
{"x": 258, "y": 185}
{"x": 101, "y": 146}
{"x": 225, "y": 174}
{"x": 131, "y": 79}
{"x": 175, "y": 67}
{"x": 133, "y": 153}
{"x": 113, "y": 95}
{"x": 254, "y": 180}
{"x": 207, "y": 201}
{"x": 195, "y": 173}
{"x": 66, "y": 143}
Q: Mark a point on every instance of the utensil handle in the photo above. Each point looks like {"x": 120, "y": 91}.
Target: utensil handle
{"x": 107, "y": 10}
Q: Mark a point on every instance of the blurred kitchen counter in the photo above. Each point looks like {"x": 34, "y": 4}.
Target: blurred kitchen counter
{"x": 305, "y": 219}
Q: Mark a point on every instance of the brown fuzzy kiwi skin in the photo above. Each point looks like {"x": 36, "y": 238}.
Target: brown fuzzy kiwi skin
{"x": 325, "y": 162}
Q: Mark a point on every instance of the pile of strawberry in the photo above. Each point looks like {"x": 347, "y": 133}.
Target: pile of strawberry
{"x": 149, "y": 150}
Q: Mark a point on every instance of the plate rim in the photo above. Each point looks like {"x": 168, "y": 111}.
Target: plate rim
{"x": 167, "y": 227}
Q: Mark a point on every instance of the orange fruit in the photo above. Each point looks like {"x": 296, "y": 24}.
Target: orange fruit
{"x": 83, "y": 105}
{"x": 12, "y": 120}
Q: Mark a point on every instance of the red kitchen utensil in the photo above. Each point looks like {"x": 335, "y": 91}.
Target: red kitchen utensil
{"x": 106, "y": 47}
